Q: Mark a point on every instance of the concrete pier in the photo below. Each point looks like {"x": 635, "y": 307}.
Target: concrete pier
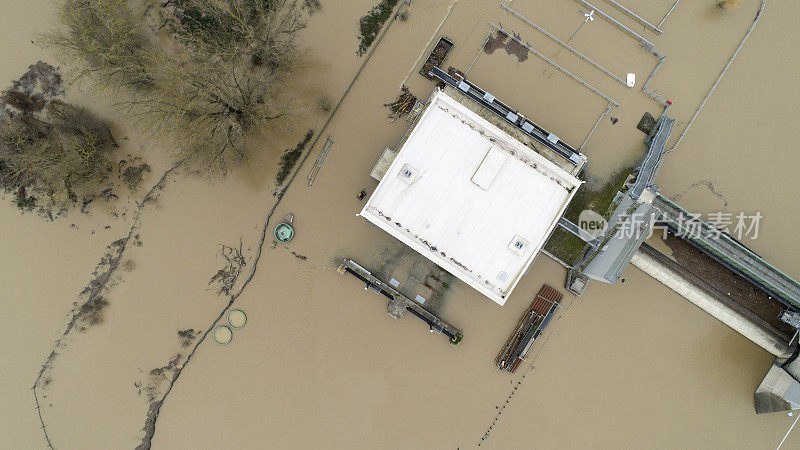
{"x": 712, "y": 301}
{"x": 778, "y": 392}
{"x": 399, "y": 304}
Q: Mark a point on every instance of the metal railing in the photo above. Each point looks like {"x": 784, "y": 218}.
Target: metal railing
{"x": 729, "y": 252}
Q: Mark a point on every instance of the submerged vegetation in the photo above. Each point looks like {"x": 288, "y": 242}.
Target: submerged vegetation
{"x": 597, "y": 198}
{"x": 565, "y": 245}
{"x": 646, "y": 123}
{"x": 222, "y": 281}
{"x": 290, "y": 158}
{"x": 312, "y": 6}
{"x": 729, "y": 4}
{"x": 50, "y": 151}
{"x": 371, "y": 24}
{"x": 511, "y": 44}
{"x": 209, "y": 74}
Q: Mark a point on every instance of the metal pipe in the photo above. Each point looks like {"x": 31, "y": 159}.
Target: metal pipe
{"x": 668, "y": 13}
{"x": 488, "y": 35}
{"x": 435, "y": 33}
{"x": 556, "y": 65}
{"x": 653, "y": 74}
{"x": 320, "y": 160}
{"x": 555, "y": 258}
{"x": 316, "y": 163}
{"x": 721, "y": 74}
{"x": 608, "y": 108}
{"x": 635, "y": 16}
{"x": 645, "y": 43}
{"x": 567, "y": 46}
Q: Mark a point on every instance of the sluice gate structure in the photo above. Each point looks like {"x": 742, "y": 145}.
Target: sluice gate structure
{"x": 729, "y": 252}
{"x": 639, "y": 209}
{"x": 399, "y": 304}
{"x": 623, "y": 244}
{"x": 608, "y": 255}
{"x": 711, "y": 300}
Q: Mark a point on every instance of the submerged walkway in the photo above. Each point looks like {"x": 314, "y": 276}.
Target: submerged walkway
{"x": 399, "y": 303}
{"x": 655, "y": 155}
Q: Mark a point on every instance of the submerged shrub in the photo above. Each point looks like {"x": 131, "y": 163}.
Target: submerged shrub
{"x": 48, "y": 147}
{"x": 371, "y": 24}
{"x": 215, "y": 89}
{"x": 290, "y": 157}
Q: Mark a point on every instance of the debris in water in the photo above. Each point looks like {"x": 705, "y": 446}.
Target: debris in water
{"x": 402, "y": 105}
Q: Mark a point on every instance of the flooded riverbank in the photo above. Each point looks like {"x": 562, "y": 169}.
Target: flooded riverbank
{"x": 320, "y": 364}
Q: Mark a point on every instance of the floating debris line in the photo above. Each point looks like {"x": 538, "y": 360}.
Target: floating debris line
{"x": 152, "y": 416}
{"x": 110, "y": 261}
{"x": 512, "y": 393}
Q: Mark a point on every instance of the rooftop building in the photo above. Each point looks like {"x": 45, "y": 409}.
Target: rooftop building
{"x": 470, "y": 198}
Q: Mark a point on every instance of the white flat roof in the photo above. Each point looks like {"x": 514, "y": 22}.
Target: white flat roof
{"x": 470, "y": 198}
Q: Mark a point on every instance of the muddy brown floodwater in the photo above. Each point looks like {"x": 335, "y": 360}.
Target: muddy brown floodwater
{"x": 320, "y": 363}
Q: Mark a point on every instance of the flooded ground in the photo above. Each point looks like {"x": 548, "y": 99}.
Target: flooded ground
{"x": 320, "y": 363}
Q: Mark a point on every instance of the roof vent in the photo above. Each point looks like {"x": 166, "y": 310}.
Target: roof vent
{"x": 502, "y": 276}
{"x": 489, "y": 168}
{"x": 518, "y": 245}
{"x": 408, "y": 174}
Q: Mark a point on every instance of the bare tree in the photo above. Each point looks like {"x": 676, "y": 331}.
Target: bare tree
{"x": 211, "y": 75}
{"x": 216, "y": 111}
{"x": 225, "y": 278}
{"x": 262, "y": 31}
{"x": 109, "y": 41}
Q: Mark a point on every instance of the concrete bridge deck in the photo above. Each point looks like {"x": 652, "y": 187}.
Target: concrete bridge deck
{"x": 729, "y": 252}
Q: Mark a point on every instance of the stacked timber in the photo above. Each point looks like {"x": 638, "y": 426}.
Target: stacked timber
{"x": 529, "y": 327}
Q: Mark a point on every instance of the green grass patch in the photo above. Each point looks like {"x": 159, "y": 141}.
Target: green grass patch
{"x": 598, "y": 199}
{"x": 565, "y": 245}
{"x": 24, "y": 203}
{"x": 371, "y": 24}
{"x": 290, "y": 157}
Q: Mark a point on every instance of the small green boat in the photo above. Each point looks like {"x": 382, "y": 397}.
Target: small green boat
{"x": 284, "y": 231}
